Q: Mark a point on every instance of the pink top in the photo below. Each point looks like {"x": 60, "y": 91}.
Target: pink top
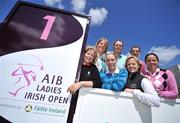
{"x": 164, "y": 82}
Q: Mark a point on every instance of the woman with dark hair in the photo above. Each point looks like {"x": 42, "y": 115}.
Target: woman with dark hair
{"x": 163, "y": 80}
{"x": 118, "y": 46}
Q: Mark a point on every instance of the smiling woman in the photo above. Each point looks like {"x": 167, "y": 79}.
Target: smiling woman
{"x": 89, "y": 77}
{"x": 89, "y": 73}
{"x": 114, "y": 78}
{"x": 139, "y": 85}
{"x": 163, "y": 80}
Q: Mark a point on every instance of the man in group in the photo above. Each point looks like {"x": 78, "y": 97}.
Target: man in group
{"x": 117, "y": 48}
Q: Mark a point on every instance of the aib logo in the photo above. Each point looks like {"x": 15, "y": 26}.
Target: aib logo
{"x": 25, "y": 74}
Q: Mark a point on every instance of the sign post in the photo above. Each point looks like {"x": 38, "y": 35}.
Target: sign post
{"x": 41, "y": 54}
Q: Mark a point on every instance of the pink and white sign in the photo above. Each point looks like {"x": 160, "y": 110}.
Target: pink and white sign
{"x": 40, "y": 55}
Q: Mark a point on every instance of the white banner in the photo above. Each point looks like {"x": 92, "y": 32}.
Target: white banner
{"x": 41, "y": 51}
{"x": 105, "y": 106}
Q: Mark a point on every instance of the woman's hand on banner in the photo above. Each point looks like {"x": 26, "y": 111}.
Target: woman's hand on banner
{"x": 74, "y": 87}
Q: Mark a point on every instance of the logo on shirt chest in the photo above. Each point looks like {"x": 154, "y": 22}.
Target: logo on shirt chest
{"x": 133, "y": 86}
{"x": 88, "y": 73}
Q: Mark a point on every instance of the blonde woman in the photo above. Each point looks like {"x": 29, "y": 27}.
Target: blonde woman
{"x": 139, "y": 85}
{"x": 89, "y": 78}
{"x": 89, "y": 73}
{"x": 114, "y": 78}
{"x": 101, "y": 49}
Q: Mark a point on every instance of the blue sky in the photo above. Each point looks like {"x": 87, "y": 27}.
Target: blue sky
{"x": 152, "y": 24}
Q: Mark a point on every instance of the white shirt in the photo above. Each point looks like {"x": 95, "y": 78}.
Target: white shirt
{"x": 149, "y": 96}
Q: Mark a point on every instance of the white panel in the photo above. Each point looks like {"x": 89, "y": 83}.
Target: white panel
{"x": 105, "y": 106}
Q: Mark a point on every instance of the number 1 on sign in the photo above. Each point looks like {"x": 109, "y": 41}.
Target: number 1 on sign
{"x": 48, "y": 26}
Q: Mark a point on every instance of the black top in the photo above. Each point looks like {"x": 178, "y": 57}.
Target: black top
{"x": 88, "y": 73}
{"x": 91, "y": 73}
{"x": 134, "y": 81}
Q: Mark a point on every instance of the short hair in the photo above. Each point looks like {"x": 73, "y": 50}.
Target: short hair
{"x": 95, "y": 52}
{"x": 119, "y": 41}
{"x": 135, "y": 46}
{"x": 153, "y": 55}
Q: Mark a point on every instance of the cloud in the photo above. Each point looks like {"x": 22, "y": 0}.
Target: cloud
{"x": 78, "y": 5}
{"x": 98, "y": 15}
{"x": 165, "y": 54}
{"x": 54, "y": 3}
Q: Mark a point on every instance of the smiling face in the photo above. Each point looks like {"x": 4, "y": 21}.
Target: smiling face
{"x": 132, "y": 64}
{"x": 101, "y": 46}
{"x": 152, "y": 62}
{"x": 111, "y": 62}
{"x": 135, "y": 51}
{"x": 89, "y": 56}
{"x": 118, "y": 45}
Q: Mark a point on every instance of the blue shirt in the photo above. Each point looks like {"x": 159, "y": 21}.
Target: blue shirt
{"x": 121, "y": 59}
{"x": 114, "y": 81}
